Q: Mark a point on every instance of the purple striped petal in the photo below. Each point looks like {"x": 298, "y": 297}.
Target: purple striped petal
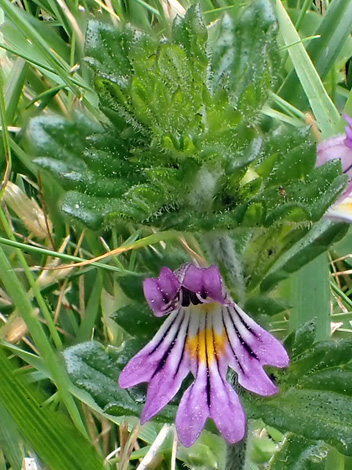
{"x": 167, "y": 378}
{"x": 205, "y": 333}
{"x": 142, "y": 366}
{"x": 250, "y": 348}
{"x": 210, "y": 396}
{"x": 269, "y": 349}
{"x": 225, "y": 407}
{"x": 206, "y": 282}
{"x": 162, "y": 292}
{"x": 193, "y": 410}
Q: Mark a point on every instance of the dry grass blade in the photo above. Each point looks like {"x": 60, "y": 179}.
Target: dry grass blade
{"x": 126, "y": 451}
{"x": 143, "y": 242}
{"x": 154, "y": 448}
{"x": 28, "y": 210}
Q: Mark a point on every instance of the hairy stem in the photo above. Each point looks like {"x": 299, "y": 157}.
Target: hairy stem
{"x": 236, "y": 455}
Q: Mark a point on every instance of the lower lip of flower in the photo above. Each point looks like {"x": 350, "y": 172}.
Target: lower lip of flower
{"x": 204, "y": 337}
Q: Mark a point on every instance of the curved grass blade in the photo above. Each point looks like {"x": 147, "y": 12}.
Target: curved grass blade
{"x": 324, "y": 110}
{"x": 333, "y": 32}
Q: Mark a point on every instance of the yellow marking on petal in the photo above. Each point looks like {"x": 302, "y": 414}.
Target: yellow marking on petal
{"x": 206, "y": 344}
{"x": 344, "y": 207}
{"x": 342, "y": 211}
{"x": 207, "y": 307}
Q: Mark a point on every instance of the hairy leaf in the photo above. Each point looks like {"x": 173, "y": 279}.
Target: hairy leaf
{"x": 92, "y": 369}
{"x": 297, "y": 453}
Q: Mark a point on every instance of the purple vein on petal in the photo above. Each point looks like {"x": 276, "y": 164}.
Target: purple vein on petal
{"x": 141, "y": 367}
{"x": 171, "y": 370}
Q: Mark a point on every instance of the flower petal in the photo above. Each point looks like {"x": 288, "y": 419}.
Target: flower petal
{"x": 193, "y": 410}
{"x": 206, "y": 282}
{"x": 143, "y": 365}
{"x": 342, "y": 211}
{"x": 205, "y": 333}
{"x": 225, "y": 408}
{"x": 162, "y": 292}
{"x": 249, "y": 348}
{"x": 269, "y": 349}
{"x": 210, "y": 395}
{"x": 333, "y": 148}
{"x": 348, "y": 130}
{"x": 167, "y": 378}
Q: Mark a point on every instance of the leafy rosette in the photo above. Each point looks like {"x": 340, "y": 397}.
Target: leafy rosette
{"x": 180, "y": 142}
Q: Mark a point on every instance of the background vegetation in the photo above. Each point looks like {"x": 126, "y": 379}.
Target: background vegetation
{"x": 69, "y": 194}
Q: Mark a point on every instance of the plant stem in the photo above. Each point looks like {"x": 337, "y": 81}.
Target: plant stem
{"x": 236, "y": 455}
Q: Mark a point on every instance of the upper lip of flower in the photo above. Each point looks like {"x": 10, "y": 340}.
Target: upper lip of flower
{"x": 205, "y": 333}
{"x": 187, "y": 284}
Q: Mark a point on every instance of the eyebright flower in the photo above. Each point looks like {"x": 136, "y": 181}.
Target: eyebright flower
{"x": 205, "y": 333}
{"x": 340, "y": 147}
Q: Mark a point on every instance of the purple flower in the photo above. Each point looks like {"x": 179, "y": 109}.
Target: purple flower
{"x": 205, "y": 333}
{"x": 339, "y": 147}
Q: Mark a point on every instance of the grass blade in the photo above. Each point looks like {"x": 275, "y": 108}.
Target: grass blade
{"x": 324, "y": 110}
{"x": 24, "y": 307}
{"x": 333, "y": 31}
{"x": 311, "y": 296}
{"x": 52, "y": 436}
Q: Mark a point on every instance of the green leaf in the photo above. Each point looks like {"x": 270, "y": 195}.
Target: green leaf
{"x": 287, "y": 157}
{"x": 236, "y": 46}
{"x": 90, "y": 368}
{"x": 314, "y": 414}
{"x": 89, "y": 210}
{"x": 137, "y": 320}
{"x": 301, "y": 340}
{"x": 334, "y": 380}
{"x": 324, "y": 234}
{"x": 10, "y": 439}
{"x": 325, "y": 354}
{"x": 176, "y": 154}
{"x": 263, "y": 305}
{"x": 307, "y": 198}
{"x": 107, "y": 50}
{"x": 83, "y": 180}
{"x": 95, "y": 371}
{"x": 313, "y": 284}
{"x": 317, "y": 385}
{"x": 191, "y": 33}
{"x": 132, "y": 286}
{"x": 297, "y": 453}
{"x": 62, "y": 138}
{"x": 333, "y": 32}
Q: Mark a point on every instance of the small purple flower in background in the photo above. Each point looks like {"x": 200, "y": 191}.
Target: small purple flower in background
{"x": 205, "y": 333}
{"x": 339, "y": 147}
